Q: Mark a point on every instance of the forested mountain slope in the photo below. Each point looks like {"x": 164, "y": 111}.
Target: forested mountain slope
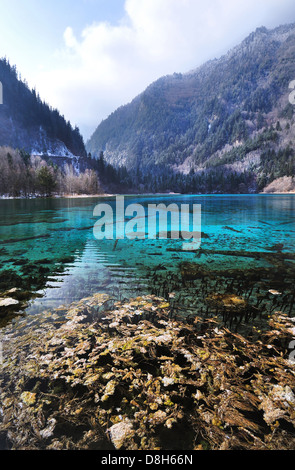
{"x": 27, "y": 123}
{"x": 228, "y": 125}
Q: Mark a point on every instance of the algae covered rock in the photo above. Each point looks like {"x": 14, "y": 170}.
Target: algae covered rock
{"x": 28, "y": 398}
{"x": 227, "y": 300}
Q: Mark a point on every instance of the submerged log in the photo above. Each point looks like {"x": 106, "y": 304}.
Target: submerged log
{"x": 244, "y": 254}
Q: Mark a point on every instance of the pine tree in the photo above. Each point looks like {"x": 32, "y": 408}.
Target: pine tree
{"x": 46, "y": 181}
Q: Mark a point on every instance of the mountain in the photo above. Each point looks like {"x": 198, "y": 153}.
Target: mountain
{"x": 227, "y": 125}
{"x": 27, "y": 123}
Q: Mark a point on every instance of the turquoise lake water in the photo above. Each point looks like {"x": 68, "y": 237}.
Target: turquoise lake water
{"x": 247, "y": 249}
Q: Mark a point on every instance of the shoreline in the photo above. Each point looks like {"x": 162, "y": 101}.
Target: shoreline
{"x": 274, "y": 193}
{"x": 89, "y": 196}
{"x": 66, "y": 196}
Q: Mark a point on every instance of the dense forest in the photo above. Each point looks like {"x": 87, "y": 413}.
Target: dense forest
{"x": 29, "y": 123}
{"x": 157, "y": 180}
{"x": 218, "y": 176}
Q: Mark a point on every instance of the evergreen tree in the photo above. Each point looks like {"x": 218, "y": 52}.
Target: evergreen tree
{"x": 46, "y": 180}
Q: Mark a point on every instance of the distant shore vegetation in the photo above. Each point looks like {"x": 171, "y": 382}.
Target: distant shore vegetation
{"x": 23, "y": 175}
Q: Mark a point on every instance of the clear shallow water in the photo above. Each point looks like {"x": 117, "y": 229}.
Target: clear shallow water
{"x": 49, "y": 246}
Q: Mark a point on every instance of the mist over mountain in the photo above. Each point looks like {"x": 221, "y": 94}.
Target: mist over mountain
{"x": 27, "y": 123}
{"x": 227, "y": 125}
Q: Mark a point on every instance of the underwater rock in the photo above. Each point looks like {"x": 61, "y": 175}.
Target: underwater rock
{"x": 19, "y": 294}
{"x": 48, "y": 431}
{"x": 227, "y": 300}
{"x": 109, "y": 390}
{"x": 274, "y": 292}
{"x": 120, "y": 432}
{"x": 14, "y": 290}
{"x": 190, "y": 271}
{"x": 28, "y": 398}
{"x": 7, "y": 304}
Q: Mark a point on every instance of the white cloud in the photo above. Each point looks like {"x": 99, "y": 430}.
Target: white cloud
{"x": 69, "y": 38}
{"x": 108, "y": 65}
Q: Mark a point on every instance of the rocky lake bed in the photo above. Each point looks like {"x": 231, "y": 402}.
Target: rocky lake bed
{"x": 99, "y": 374}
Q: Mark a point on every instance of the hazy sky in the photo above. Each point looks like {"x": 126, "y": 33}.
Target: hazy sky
{"x": 87, "y": 57}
